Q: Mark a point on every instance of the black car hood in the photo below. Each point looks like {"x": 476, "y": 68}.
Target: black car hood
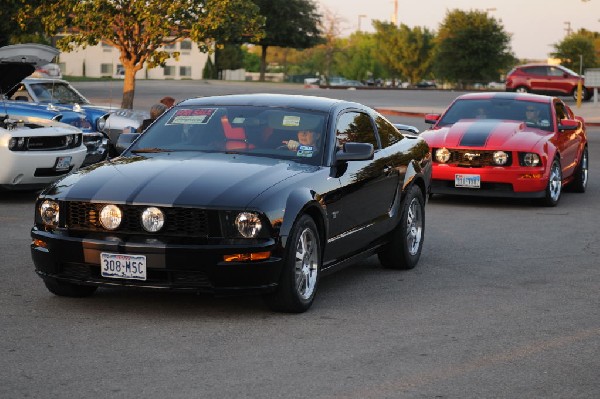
{"x": 177, "y": 179}
{"x": 19, "y": 61}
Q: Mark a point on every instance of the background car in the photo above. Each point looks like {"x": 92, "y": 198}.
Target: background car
{"x": 61, "y": 94}
{"x": 224, "y": 195}
{"x": 508, "y": 145}
{"x": 34, "y": 151}
{"x": 50, "y": 70}
{"x": 546, "y": 79}
{"x": 426, "y": 84}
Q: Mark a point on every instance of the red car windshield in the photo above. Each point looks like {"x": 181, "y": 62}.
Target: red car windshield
{"x": 534, "y": 114}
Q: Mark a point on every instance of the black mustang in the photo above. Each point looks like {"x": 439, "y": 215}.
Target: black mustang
{"x": 238, "y": 193}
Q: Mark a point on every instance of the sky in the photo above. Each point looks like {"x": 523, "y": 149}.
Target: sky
{"x": 535, "y": 25}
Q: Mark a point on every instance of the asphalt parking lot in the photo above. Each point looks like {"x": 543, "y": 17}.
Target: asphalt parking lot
{"x": 503, "y": 304}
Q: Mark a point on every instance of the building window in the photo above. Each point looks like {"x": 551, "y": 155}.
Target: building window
{"x": 185, "y": 71}
{"x": 106, "y": 69}
{"x": 185, "y": 45}
{"x": 107, "y": 48}
{"x": 169, "y": 70}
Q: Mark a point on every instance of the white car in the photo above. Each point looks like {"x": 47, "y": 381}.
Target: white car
{"x": 34, "y": 151}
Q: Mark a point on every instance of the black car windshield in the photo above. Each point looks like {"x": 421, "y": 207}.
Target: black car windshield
{"x": 57, "y": 93}
{"x": 283, "y": 133}
{"x": 534, "y": 114}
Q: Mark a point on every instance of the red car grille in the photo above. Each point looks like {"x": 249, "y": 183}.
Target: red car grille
{"x": 475, "y": 158}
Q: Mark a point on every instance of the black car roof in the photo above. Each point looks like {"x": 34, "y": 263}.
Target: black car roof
{"x": 282, "y": 100}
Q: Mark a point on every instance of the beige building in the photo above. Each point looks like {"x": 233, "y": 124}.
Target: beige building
{"x": 103, "y": 60}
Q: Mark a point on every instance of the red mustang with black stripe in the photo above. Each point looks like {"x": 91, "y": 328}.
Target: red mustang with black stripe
{"x": 508, "y": 145}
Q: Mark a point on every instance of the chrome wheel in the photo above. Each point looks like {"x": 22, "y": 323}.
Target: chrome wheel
{"x": 414, "y": 227}
{"x": 521, "y": 89}
{"x": 584, "y": 169}
{"x": 555, "y": 182}
{"x": 306, "y": 264}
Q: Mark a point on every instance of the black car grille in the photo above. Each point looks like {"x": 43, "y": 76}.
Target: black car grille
{"x": 475, "y": 158}
{"x": 44, "y": 143}
{"x": 179, "y": 222}
{"x": 172, "y": 277}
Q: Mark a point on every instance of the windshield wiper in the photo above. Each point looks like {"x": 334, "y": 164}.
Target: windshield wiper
{"x": 148, "y": 150}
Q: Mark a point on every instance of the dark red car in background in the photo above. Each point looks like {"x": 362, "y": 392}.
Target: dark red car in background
{"x": 554, "y": 80}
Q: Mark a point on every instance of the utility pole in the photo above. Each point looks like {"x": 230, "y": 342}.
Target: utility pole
{"x": 568, "y": 28}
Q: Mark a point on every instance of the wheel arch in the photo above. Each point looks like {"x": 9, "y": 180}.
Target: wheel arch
{"x": 300, "y": 202}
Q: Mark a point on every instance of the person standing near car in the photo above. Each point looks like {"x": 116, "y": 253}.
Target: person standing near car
{"x": 155, "y": 111}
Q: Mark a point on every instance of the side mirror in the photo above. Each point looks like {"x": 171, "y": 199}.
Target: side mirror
{"x": 355, "y": 152}
{"x": 568, "y": 124}
{"x": 406, "y": 128}
{"x": 124, "y": 141}
{"x": 432, "y": 118}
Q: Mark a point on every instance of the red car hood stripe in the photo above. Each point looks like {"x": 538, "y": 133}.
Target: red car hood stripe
{"x": 477, "y": 134}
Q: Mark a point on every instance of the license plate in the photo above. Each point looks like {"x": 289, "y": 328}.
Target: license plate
{"x": 62, "y": 163}
{"x": 469, "y": 181}
{"x": 132, "y": 267}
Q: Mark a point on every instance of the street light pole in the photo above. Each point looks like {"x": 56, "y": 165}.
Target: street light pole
{"x": 361, "y": 16}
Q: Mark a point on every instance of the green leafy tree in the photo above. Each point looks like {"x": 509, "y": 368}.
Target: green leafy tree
{"x": 471, "y": 46}
{"x": 251, "y": 60}
{"x": 229, "y": 56}
{"x": 575, "y": 47}
{"x": 289, "y": 24}
{"x": 11, "y": 32}
{"x": 404, "y": 51}
{"x": 359, "y": 58}
{"x": 139, "y": 28}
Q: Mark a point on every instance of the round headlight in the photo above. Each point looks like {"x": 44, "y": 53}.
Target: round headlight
{"x": 442, "y": 155}
{"x": 531, "y": 159}
{"x": 153, "y": 219}
{"x": 500, "y": 158}
{"x": 110, "y": 217}
{"x": 248, "y": 224}
{"x": 49, "y": 212}
{"x": 100, "y": 124}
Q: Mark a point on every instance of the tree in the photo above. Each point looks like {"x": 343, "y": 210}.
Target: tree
{"x": 10, "y": 30}
{"x": 576, "y": 46}
{"x": 404, "y": 51}
{"x": 359, "y": 60}
{"x": 139, "y": 28}
{"x": 290, "y": 24}
{"x": 471, "y": 46}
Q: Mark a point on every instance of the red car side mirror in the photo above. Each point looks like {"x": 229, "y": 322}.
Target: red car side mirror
{"x": 432, "y": 118}
{"x": 568, "y": 124}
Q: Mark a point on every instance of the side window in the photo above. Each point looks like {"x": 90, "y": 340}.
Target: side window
{"x": 537, "y": 71}
{"x": 553, "y": 71}
{"x": 21, "y": 94}
{"x": 388, "y": 134}
{"x": 355, "y": 127}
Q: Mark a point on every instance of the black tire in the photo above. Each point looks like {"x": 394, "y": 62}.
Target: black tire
{"x": 585, "y": 94}
{"x": 554, "y": 186}
{"x": 521, "y": 89}
{"x": 579, "y": 183}
{"x": 62, "y": 288}
{"x": 404, "y": 249}
{"x": 301, "y": 269}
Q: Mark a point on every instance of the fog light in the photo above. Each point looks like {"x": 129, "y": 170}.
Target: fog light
{"x": 500, "y": 158}
{"x": 442, "y": 155}
{"x": 153, "y": 219}
{"x": 110, "y": 217}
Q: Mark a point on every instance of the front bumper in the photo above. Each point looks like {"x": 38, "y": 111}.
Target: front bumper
{"x": 517, "y": 182}
{"x": 35, "y": 169}
{"x": 169, "y": 265}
